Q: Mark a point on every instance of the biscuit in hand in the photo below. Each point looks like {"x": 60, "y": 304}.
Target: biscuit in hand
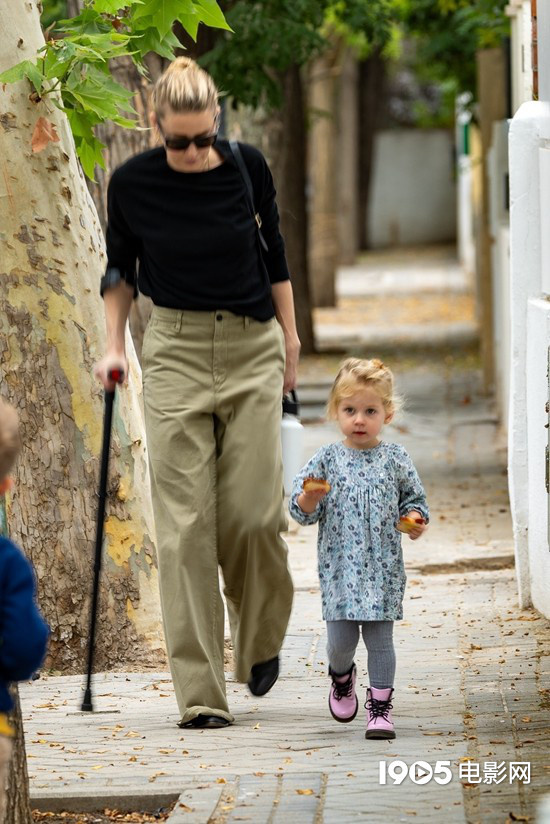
{"x": 407, "y": 524}
{"x": 315, "y": 484}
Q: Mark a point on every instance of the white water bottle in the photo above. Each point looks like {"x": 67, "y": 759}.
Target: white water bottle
{"x": 292, "y": 440}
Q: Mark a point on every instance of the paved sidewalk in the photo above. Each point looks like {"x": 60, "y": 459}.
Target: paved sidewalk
{"x": 400, "y": 298}
{"x": 472, "y": 680}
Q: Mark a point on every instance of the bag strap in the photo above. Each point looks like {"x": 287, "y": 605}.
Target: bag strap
{"x": 237, "y": 154}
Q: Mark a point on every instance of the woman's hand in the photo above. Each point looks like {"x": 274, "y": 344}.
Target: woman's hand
{"x": 112, "y": 360}
{"x": 292, "y": 346}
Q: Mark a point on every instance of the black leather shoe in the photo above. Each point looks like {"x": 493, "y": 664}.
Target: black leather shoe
{"x": 264, "y": 676}
{"x": 206, "y": 722}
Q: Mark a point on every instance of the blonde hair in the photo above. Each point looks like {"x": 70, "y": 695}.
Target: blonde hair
{"x": 356, "y": 374}
{"x": 184, "y": 87}
{"x": 9, "y": 437}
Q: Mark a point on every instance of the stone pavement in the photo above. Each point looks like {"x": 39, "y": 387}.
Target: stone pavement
{"x": 472, "y": 680}
{"x": 472, "y": 686}
{"x": 396, "y": 298}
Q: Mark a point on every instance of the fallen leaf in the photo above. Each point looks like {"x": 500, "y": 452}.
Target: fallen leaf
{"x": 155, "y": 776}
{"x": 221, "y": 781}
{"x": 44, "y": 133}
{"x": 305, "y": 792}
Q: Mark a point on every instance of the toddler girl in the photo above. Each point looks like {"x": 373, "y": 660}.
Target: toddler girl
{"x": 358, "y": 489}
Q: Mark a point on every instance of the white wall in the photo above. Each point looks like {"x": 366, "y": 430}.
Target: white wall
{"x": 465, "y": 222}
{"x": 413, "y": 191}
{"x": 529, "y": 131}
{"x": 538, "y": 338}
{"x": 522, "y": 69}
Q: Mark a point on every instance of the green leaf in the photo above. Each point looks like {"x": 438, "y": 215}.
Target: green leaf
{"x": 81, "y": 124}
{"x": 211, "y": 14}
{"x": 190, "y": 23}
{"x": 56, "y": 63}
{"x": 150, "y": 41}
{"x": 90, "y": 153}
{"x": 88, "y": 21}
{"x": 125, "y": 122}
{"x": 111, "y": 6}
{"x": 95, "y": 90}
{"x": 34, "y": 75}
{"x": 16, "y": 73}
{"x": 163, "y": 13}
{"x": 24, "y": 69}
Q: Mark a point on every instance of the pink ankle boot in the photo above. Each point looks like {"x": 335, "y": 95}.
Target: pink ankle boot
{"x": 379, "y": 720}
{"x": 342, "y": 699}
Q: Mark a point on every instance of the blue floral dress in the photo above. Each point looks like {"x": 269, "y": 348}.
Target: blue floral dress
{"x": 361, "y": 568}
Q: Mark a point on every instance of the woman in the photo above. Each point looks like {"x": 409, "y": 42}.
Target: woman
{"x": 219, "y": 350}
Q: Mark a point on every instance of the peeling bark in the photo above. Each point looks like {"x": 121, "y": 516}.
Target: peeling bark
{"x": 18, "y": 802}
{"x": 51, "y": 333}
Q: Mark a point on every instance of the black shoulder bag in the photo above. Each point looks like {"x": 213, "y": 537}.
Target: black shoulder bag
{"x": 241, "y": 165}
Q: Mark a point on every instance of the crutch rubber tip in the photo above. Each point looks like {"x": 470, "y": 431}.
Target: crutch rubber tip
{"x": 87, "y": 705}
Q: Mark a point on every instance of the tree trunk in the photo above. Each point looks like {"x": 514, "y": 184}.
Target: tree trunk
{"x": 17, "y": 809}
{"x": 493, "y": 106}
{"x": 18, "y": 803}
{"x": 348, "y": 159}
{"x": 120, "y": 145}
{"x": 51, "y": 333}
{"x": 323, "y": 169}
{"x": 281, "y": 136}
{"x": 289, "y": 169}
{"x": 372, "y": 74}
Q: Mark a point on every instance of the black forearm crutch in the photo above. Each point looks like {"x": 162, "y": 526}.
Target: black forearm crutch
{"x": 116, "y": 375}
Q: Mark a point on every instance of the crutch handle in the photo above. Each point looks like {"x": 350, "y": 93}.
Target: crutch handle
{"x": 116, "y": 375}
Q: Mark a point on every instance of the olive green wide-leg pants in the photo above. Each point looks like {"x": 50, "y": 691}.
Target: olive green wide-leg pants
{"x": 212, "y": 394}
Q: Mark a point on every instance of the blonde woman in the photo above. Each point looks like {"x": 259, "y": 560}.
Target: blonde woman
{"x": 218, "y": 352}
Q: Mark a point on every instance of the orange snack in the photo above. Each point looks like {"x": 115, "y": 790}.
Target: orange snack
{"x": 406, "y": 524}
{"x": 315, "y": 484}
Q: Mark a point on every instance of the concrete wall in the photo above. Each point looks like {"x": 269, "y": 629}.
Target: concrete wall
{"x": 538, "y": 338}
{"x": 529, "y": 133}
{"x": 413, "y": 191}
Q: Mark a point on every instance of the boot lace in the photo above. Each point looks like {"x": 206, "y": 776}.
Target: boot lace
{"x": 378, "y": 708}
{"x": 342, "y": 689}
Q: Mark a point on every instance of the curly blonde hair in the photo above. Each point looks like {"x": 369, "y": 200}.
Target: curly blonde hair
{"x": 9, "y": 437}
{"x": 355, "y": 374}
{"x": 184, "y": 87}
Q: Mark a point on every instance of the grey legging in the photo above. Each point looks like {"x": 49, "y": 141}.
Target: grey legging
{"x": 343, "y": 637}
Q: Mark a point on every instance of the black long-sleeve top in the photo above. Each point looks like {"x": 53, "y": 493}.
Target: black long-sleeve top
{"x": 194, "y": 234}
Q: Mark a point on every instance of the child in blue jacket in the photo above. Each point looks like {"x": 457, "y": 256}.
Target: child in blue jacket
{"x": 23, "y": 632}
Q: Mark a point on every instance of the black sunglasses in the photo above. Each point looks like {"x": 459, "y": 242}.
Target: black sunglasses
{"x": 178, "y": 144}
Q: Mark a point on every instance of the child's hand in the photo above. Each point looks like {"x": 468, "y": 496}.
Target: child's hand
{"x": 413, "y": 524}
{"x": 314, "y": 490}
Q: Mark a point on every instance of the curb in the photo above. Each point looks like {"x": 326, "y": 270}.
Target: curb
{"x": 70, "y": 801}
